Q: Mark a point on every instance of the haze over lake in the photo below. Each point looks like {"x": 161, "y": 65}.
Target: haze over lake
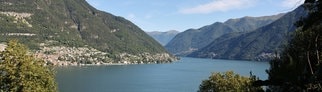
{"x": 182, "y": 76}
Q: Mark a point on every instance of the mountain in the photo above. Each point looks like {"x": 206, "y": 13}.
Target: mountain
{"x": 260, "y": 44}
{"x": 194, "y": 39}
{"x": 68, "y": 28}
{"x": 163, "y": 37}
{"x": 251, "y": 23}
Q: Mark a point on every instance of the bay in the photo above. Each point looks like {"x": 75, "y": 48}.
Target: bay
{"x": 184, "y": 75}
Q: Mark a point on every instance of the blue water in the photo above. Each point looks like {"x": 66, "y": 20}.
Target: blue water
{"x": 182, "y": 76}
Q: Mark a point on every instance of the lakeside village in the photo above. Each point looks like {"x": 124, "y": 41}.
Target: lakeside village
{"x": 78, "y": 56}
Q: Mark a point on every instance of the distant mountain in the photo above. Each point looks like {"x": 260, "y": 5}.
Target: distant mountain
{"x": 251, "y": 23}
{"x": 194, "y": 39}
{"x": 73, "y": 26}
{"x": 163, "y": 37}
{"x": 260, "y": 44}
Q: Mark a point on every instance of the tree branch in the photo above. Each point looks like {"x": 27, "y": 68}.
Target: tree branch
{"x": 309, "y": 61}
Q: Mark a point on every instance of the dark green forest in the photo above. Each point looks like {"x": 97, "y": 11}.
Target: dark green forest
{"x": 299, "y": 66}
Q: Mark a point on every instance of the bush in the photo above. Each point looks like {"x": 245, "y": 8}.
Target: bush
{"x": 20, "y": 72}
{"x": 228, "y": 82}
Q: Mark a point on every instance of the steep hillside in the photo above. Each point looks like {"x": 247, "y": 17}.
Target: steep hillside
{"x": 163, "y": 37}
{"x": 75, "y": 25}
{"x": 194, "y": 39}
{"x": 260, "y": 44}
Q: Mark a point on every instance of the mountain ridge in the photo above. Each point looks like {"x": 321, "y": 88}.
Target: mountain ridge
{"x": 261, "y": 44}
{"x": 194, "y": 39}
{"x": 163, "y": 37}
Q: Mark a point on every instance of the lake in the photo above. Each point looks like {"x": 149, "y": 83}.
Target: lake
{"x": 181, "y": 76}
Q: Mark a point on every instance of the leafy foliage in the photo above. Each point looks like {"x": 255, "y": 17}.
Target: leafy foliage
{"x": 20, "y": 72}
{"x": 228, "y": 82}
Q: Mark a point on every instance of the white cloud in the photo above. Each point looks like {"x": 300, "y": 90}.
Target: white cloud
{"x": 292, "y": 3}
{"x": 218, "y": 5}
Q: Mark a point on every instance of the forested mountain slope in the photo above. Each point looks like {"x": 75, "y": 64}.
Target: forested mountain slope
{"x": 74, "y": 26}
{"x": 260, "y": 44}
{"x": 194, "y": 39}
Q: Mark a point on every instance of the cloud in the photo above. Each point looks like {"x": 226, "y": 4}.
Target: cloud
{"x": 291, "y": 3}
{"x": 218, "y": 6}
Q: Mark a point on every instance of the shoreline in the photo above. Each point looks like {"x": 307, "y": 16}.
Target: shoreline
{"x": 107, "y": 64}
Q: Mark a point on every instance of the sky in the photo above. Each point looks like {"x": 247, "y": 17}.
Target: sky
{"x": 180, "y": 15}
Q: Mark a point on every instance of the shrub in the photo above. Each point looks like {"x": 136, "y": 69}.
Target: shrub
{"x": 228, "y": 82}
{"x": 20, "y": 72}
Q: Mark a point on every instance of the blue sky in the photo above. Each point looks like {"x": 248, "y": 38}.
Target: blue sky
{"x": 164, "y": 15}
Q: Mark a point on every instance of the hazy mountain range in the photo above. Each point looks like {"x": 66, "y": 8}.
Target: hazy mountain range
{"x": 247, "y": 38}
{"x": 194, "y": 39}
{"x": 163, "y": 37}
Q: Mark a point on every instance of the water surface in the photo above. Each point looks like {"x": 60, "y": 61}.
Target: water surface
{"x": 182, "y": 76}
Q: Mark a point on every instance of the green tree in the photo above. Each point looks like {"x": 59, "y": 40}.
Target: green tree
{"x": 21, "y": 72}
{"x": 228, "y": 82}
{"x": 299, "y": 66}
